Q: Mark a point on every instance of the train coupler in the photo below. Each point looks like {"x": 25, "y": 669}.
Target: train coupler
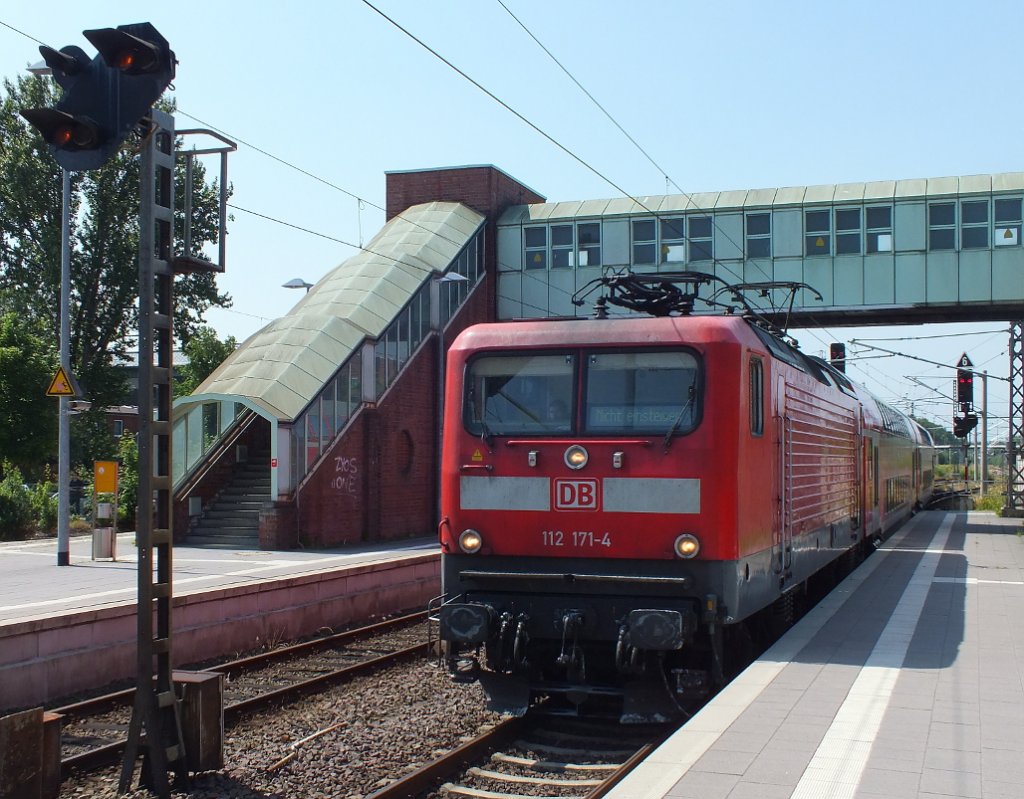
{"x": 571, "y": 656}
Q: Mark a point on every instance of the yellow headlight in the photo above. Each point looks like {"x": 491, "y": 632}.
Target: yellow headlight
{"x": 687, "y": 546}
{"x": 470, "y": 541}
{"x": 576, "y": 457}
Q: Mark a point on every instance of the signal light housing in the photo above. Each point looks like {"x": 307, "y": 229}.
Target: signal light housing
{"x": 63, "y": 130}
{"x": 962, "y": 426}
{"x": 127, "y": 53}
{"x": 964, "y": 386}
{"x": 105, "y": 98}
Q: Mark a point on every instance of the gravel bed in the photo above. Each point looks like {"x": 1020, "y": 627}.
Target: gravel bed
{"x": 390, "y": 723}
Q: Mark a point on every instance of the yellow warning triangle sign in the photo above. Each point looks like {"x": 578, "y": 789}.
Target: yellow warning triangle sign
{"x": 61, "y": 385}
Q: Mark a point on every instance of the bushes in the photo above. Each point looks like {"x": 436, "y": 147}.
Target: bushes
{"x": 128, "y": 482}
{"x": 44, "y": 505}
{"x": 16, "y": 518}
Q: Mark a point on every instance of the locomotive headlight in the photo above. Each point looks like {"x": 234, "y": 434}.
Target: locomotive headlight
{"x": 576, "y": 457}
{"x": 470, "y": 541}
{"x": 687, "y": 546}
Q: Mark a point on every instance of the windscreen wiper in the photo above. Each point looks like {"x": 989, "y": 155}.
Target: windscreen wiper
{"x": 679, "y": 419}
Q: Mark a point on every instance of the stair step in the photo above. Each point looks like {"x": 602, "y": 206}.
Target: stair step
{"x": 223, "y": 542}
{"x": 227, "y": 527}
{"x": 243, "y": 516}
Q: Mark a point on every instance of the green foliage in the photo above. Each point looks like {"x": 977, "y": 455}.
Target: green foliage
{"x": 128, "y": 480}
{"x": 205, "y": 353}
{"x": 15, "y": 506}
{"x": 993, "y": 502}
{"x": 44, "y": 505}
{"x": 28, "y": 418}
{"x": 104, "y": 231}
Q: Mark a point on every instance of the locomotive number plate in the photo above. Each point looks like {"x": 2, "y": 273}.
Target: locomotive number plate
{"x": 581, "y": 539}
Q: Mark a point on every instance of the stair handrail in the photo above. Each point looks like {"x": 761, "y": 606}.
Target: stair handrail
{"x": 212, "y": 456}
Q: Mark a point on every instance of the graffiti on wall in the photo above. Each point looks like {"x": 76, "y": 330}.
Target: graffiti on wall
{"x": 346, "y": 472}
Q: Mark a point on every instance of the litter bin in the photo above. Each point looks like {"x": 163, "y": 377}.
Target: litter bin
{"x": 104, "y": 543}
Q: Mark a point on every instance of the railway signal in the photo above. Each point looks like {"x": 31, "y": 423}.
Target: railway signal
{"x": 963, "y": 425}
{"x": 837, "y": 355}
{"x": 103, "y": 99}
{"x": 965, "y": 382}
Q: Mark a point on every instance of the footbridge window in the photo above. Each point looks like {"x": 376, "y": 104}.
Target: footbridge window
{"x": 879, "y": 227}
{"x": 941, "y": 226}
{"x": 759, "y": 235}
{"x": 817, "y": 232}
{"x": 327, "y": 414}
{"x": 401, "y": 339}
{"x": 1008, "y": 222}
{"x": 572, "y": 245}
{"x": 973, "y": 224}
{"x": 199, "y": 429}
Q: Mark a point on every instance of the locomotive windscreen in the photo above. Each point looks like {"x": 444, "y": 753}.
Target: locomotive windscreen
{"x": 640, "y": 392}
{"x": 520, "y": 394}
{"x": 624, "y": 393}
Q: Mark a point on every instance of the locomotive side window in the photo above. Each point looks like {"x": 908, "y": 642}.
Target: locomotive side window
{"x": 519, "y": 395}
{"x": 756, "y": 396}
{"x": 641, "y": 392}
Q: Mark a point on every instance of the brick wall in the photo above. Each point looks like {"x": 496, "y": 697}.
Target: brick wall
{"x": 376, "y": 483}
{"x": 485, "y": 189}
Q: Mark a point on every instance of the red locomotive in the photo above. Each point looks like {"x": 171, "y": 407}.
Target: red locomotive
{"x": 620, "y": 496}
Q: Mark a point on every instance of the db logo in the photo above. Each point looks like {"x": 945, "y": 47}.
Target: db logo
{"x": 576, "y": 495}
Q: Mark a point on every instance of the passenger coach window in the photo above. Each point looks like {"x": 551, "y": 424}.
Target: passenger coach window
{"x": 519, "y": 395}
{"x": 641, "y": 392}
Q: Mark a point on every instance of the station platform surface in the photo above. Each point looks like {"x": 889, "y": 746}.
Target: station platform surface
{"x": 906, "y": 682}
{"x": 33, "y": 586}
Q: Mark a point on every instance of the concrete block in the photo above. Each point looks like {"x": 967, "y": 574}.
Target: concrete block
{"x": 21, "y": 745}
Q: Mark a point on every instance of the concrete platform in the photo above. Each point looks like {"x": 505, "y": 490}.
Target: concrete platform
{"x": 68, "y": 628}
{"x": 907, "y": 682}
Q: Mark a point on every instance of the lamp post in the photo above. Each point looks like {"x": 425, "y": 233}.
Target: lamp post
{"x": 297, "y": 283}
{"x": 42, "y": 69}
{"x": 64, "y": 426}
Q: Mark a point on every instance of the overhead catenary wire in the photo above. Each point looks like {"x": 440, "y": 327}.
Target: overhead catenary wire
{"x": 526, "y": 274}
{"x": 564, "y": 148}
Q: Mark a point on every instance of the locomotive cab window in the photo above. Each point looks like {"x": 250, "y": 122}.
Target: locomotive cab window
{"x": 519, "y": 394}
{"x": 641, "y": 392}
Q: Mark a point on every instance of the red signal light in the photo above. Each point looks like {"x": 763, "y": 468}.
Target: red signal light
{"x": 62, "y": 137}
{"x": 124, "y": 60}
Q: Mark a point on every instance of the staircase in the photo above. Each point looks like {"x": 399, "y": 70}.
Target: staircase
{"x": 232, "y": 520}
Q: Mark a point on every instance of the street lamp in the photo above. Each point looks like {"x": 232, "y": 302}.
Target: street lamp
{"x": 297, "y": 283}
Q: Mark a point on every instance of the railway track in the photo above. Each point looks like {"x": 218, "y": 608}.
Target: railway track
{"x": 538, "y": 755}
{"x": 94, "y": 730}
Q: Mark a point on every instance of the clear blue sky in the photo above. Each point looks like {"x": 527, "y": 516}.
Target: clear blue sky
{"x": 724, "y": 95}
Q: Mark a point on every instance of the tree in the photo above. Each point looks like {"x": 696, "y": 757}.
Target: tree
{"x": 205, "y": 353}
{"x": 128, "y": 480}
{"x": 104, "y": 248}
{"x": 28, "y": 418}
